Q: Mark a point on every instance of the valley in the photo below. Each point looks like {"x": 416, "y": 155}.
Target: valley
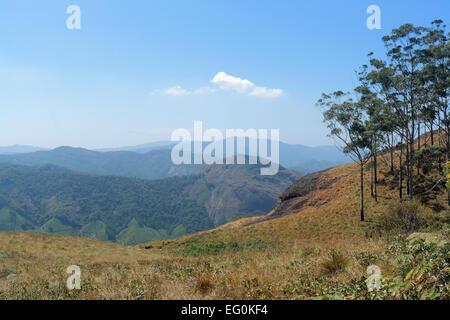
{"x": 136, "y": 194}
{"x": 311, "y": 245}
{"x": 129, "y": 210}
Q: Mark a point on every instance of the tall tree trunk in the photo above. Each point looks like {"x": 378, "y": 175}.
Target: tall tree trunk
{"x": 371, "y": 177}
{"x": 411, "y": 162}
{"x": 447, "y": 126}
{"x": 418, "y": 135}
{"x": 418, "y": 146}
{"x": 392, "y": 152}
{"x": 439, "y": 124}
{"x": 432, "y": 133}
{"x": 447, "y": 162}
{"x": 439, "y": 129}
{"x": 400, "y": 170}
{"x": 407, "y": 162}
{"x": 375, "y": 174}
{"x": 362, "y": 190}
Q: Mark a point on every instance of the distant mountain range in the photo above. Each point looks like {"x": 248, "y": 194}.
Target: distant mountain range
{"x": 16, "y": 149}
{"x": 296, "y": 156}
{"x": 151, "y": 165}
{"x": 129, "y": 210}
{"x": 142, "y": 148}
{"x": 310, "y": 159}
{"x": 152, "y": 160}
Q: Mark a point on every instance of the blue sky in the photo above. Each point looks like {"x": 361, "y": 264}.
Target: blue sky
{"x": 139, "y": 69}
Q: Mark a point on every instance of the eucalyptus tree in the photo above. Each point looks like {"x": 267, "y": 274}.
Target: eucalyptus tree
{"x": 405, "y": 48}
{"x": 376, "y": 127}
{"x": 390, "y": 116}
{"x": 437, "y": 75}
{"x": 346, "y": 120}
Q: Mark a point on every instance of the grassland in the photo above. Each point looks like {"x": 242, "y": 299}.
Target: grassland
{"x": 321, "y": 251}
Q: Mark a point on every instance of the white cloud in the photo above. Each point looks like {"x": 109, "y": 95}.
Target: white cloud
{"x": 239, "y": 85}
{"x": 264, "y": 92}
{"x": 228, "y": 82}
{"x": 177, "y": 91}
{"x": 205, "y": 90}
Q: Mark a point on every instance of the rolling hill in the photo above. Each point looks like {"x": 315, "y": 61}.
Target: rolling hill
{"x": 129, "y": 210}
{"x": 153, "y": 161}
{"x": 151, "y": 165}
{"x": 54, "y": 199}
{"x": 310, "y": 245}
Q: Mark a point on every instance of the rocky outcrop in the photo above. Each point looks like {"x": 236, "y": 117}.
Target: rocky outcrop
{"x": 298, "y": 195}
{"x": 241, "y": 190}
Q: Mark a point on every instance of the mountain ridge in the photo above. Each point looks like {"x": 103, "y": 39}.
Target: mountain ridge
{"x": 49, "y": 198}
{"x": 157, "y": 163}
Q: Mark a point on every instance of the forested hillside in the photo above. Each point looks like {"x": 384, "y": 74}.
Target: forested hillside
{"x": 53, "y": 199}
{"x": 129, "y": 210}
{"x": 155, "y": 164}
{"x": 153, "y": 161}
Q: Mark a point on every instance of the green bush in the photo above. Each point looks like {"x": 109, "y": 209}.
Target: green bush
{"x": 405, "y": 217}
{"x": 422, "y": 268}
{"x": 366, "y": 259}
{"x": 214, "y": 248}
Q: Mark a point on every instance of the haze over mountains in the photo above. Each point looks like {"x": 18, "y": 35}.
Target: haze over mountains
{"x": 136, "y": 194}
{"x": 294, "y": 156}
{"x": 152, "y": 165}
{"x": 141, "y": 148}
{"x": 152, "y": 160}
{"x": 15, "y": 149}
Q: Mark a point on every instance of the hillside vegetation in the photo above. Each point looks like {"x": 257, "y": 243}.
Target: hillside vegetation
{"x": 314, "y": 247}
{"x": 155, "y": 164}
{"x": 56, "y": 200}
{"x": 131, "y": 211}
{"x": 154, "y": 161}
{"x": 375, "y": 229}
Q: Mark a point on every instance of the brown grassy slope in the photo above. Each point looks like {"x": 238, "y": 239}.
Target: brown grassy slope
{"x": 281, "y": 258}
{"x": 39, "y": 263}
{"x": 328, "y": 212}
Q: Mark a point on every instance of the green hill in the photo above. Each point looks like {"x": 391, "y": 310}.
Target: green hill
{"x": 155, "y": 164}
{"x": 11, "y": 221}
{"x": 130, "y": 210}
{"x": 150, "y": 162}
{"x": 135, "y": 234}
{"x": 95, "y": 230}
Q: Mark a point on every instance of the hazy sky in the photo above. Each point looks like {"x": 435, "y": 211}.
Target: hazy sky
{"x": 139, "y": 69}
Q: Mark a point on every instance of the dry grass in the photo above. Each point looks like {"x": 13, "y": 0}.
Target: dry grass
{"x": 335, "y": 262}
{"x": 112, "y": 271}
{"x": 286, "y": 258}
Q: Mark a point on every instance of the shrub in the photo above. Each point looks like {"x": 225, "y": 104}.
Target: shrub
{"x": 214, "y": 248}
{"x": 204, "y": 283}
{"x": 336, "y": 261}
{"x": 420, "y": 270}
{"x": 366, "y": 259}
{"x": 423, "y": 268}
{"x": 405, "y": 217}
